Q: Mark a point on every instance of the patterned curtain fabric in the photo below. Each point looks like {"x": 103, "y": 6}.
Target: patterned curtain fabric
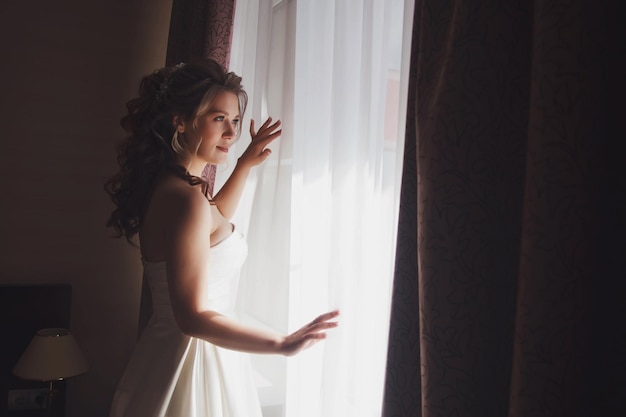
{"x": 198, "y": 29}
{"x": 511, "y": 257}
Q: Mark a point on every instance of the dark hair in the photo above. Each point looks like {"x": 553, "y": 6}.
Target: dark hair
{"x": 151, "y": 147}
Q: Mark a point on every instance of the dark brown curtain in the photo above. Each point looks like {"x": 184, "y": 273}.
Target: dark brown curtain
{"x": 198, "y": 29}
{"x": 511, "y": 259}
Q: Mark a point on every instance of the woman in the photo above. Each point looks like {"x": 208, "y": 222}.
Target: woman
{"x": 188, "y": 361}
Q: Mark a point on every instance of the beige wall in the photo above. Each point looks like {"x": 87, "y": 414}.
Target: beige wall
{"x": 67, "y": 69}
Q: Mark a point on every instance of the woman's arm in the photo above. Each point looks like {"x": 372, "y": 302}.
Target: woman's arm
{"x": 229, "y": 195}
{"x": 188, "y": 237}
{"x": 228, "y": 333}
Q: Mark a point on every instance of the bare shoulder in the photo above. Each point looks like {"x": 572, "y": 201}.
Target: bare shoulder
{"x": 177, "y": 212}
{"x": 178, "y": 199}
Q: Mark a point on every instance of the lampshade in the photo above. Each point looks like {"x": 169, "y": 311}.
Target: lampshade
{"x": 53, "y": 354}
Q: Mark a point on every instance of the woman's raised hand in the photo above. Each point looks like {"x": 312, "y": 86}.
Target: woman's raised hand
{"x": 257, "y": 151}
{"x": 309, "y": 334}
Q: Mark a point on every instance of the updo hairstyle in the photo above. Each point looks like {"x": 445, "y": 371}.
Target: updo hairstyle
{"x": 186, "y": 90}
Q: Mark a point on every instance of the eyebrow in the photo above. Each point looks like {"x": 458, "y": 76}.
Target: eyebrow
{"x": 211, "y": 111}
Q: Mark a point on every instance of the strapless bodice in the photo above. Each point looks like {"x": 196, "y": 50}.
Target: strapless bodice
{"x": 177, "y": 375}
{"x": 222, "y": 278}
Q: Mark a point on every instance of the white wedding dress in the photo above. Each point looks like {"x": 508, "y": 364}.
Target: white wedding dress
{"x": 175, "y": 375}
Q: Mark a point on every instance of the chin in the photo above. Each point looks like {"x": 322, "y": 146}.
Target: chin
{"x": 218, "y": 161}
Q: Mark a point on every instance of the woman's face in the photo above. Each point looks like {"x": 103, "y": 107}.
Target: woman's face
{"x": 217, "y": 130}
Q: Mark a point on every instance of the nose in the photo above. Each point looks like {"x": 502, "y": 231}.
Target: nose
{"x": 230, "y": 131}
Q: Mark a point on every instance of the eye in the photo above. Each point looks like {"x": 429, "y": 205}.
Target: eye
{"x": 219, "y": 119}
{"x": 235, "y": 122}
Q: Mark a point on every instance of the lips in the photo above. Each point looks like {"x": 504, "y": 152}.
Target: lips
{"x": 223, "y": 148}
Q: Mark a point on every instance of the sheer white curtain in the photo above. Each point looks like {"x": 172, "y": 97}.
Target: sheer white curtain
{"x": 320, "y": 214}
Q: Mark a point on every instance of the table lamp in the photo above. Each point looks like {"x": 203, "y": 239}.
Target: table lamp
{"x": 52, "y": 355}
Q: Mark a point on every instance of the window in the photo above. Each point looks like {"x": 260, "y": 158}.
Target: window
{"x": 322, "y": 211}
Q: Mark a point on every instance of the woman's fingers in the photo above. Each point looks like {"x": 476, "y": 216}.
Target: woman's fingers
{"x": 311, "y": 333}
{"x": 323, "y": 318}
{"x": 320, "y": 326}
{"x": 265, "y": 129}
{"x": 326, "y": 316}
{"x": 257, "y": 150}
{"x": 322, "y": 322}
{"x": 265, "y": 124}
{"x": 317, "y": 327}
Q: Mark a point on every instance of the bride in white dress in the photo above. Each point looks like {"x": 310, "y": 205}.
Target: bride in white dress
{"x": 191, "y": 359}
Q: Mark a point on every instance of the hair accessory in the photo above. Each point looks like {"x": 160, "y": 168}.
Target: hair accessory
{"x": 168, "y": 81}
